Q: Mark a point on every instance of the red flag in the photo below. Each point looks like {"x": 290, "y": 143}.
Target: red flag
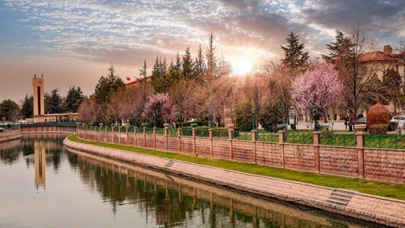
{"x": 128, "y": 79}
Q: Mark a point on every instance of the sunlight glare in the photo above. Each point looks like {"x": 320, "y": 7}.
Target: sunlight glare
{"x": 241, "y": 67}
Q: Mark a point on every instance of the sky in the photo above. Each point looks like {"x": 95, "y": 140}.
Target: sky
{"x": 74, "y": 42}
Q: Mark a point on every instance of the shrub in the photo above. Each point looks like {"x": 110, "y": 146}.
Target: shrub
{"x": 378, "y": 129}
{"x": 271, "y": 115}
{"x": 243, "y": 116}
{"x": 378, "y": 116}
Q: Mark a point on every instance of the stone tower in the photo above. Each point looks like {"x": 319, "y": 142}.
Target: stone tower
{"x": 38, "y": 94}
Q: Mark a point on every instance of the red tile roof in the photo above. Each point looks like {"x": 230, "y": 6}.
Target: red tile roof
{"x": 378, "y": 56}
{"x": 138, "y": 82}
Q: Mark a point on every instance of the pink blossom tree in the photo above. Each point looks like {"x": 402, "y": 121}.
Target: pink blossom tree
{"x": 319, "y": 86}
{"x": 162, "y": 106}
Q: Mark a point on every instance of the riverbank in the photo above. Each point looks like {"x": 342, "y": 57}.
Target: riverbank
{"x": 368, "y": 207}
{"x": 10, "y": 135}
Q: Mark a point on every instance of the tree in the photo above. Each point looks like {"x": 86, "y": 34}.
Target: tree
{"x": 345, "y": 53}
{"x": 294, "y": 56}
{"x": 255, "y": 91}
{"x": 243, "y": 114}
{"x": 107, "y": 85}
{"x": 88, "y": 110}
{"x": 211, "y": 58}
{"x": 162, "y": 106}
{"x": 73, "y": 100}
{"x": 187, "y": 65}
{"x": 9, "y": 110}
{"x": 158, "y": 71}
{"x": 53, "y": 102}
{"x": 143, "y": 74}
{"x": 223, "y": 68}
{"x": 271, "y": 115}
{"x": 320, "y": 87}
{"x": 199, "y": 66}
{"x": 27, "y": 109}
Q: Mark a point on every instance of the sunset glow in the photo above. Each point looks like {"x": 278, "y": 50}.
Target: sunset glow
{"x": 241, "y": 67}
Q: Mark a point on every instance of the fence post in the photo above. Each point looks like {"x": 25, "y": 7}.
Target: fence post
{"x": 112, "y": 138}
{"x": 154, "y": 137}
{"x": 254, "y": 132}
{"x": 211, "y": 142}
{"x": 230, "y": 143}
{"x": 179, "y": 137}
{"x": 281, "y": 146}
{"x": 317, "y": 167}
{"x": 194, "y": 138}
{"x": 360, "y": 152}
{"x": 166, "y": 138}
{"x": 144, "y": 136}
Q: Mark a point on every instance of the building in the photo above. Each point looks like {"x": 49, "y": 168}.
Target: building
{"x": 138, "y": 82}
{"x": 38, "y": 87}
{"x": 378, "y": 62}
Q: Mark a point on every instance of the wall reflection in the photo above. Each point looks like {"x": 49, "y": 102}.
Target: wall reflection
{"x": 173, "y": 201}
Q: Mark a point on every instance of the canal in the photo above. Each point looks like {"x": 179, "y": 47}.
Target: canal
{"x": 42, "y": 184}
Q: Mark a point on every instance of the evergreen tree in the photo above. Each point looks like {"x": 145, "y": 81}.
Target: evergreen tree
{"x": 108, "y": 85}
{"x": 27, "y": 109}
{"x": 143, "y": 74}
{"x": 178, "y": 63}
{"x": 294, "y": 55}
{"x": 53, "y": 102}
{"x": 340, "y": 51}
{"x": 199, "y": 66}
{"x": 187, "y": 67}
{"x": 73, "y": 99}
{"x": 211, "y": 58}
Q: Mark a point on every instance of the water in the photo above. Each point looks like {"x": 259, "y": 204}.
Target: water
{"x": 45, "y": 185}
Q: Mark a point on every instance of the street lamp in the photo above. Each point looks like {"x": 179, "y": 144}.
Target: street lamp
{"x": 210, "y": 118}
{"x": 253, "y": 119}
{"x": 178, "y": 119}
{"x": 154, "y": 119}
{"x": 316, "y": 117}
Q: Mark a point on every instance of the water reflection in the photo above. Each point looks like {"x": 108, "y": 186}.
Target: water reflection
{"x": 170, "y": 201}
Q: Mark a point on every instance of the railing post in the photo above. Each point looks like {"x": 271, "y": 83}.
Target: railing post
{"x": 166, "y": 138}
{"x": 154, "y": 137}
{"x": 254, "y": 137}
{"x": 100, "y": 136}
{"x": 194, "y": 138}
{"x": 360, "y": 153}
{"x": 112, "y": 138}
{"x": 281, "y": 146}
{"x": 230, "y": 139}
{"x": 211, "y": 142}
{"x": 135, "y": 136}
{"x": 317, "y": 164}
{"x": 179, "y": 137}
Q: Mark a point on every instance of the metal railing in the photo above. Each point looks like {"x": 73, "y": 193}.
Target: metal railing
{"x": 345, "y": 140}
{"x": 299, "y": 138}
{"x": 384, "y": 141}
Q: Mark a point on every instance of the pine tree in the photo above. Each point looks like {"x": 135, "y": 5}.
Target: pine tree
{"x": 211, "y": 58}
{"x": 107, "y": 85}
{"x": 143, "y": 74}
{"x": 187, "y": 67}
{"x": 27, "y": 107}
{"x": 294, "y": 56}
{"x": 178, "y": 63}
{"x": 73, "y": 100}
{"x": 199, "y": 66}
{"x": 53, "y": 102}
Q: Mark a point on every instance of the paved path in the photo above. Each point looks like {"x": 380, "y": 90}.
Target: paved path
{"x": 372, "y": 208}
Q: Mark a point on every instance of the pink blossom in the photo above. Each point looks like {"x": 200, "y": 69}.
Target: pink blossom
{"x": 319, "y": 86}
{"x": 161, "y": 105}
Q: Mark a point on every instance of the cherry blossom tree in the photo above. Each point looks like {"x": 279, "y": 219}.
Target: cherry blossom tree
{"x": 162, "y": 106}
{"x": 319, "y": 86}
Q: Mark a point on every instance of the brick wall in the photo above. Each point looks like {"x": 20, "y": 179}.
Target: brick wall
{"x": 338, "y": 161}
{"x": 186, "y": 144}
{"x": 377, "y": 164}
{"x": 242, "y": 151}
{"x": 388, "y": 165}
{"x": 221, "y": 149}
{"x": 202, "y": 147}
{"x": 268, "y": 154}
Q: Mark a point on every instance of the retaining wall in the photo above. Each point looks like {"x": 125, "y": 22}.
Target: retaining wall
{"x": 358, "y": 162}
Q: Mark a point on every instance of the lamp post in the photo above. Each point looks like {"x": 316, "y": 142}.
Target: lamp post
{"x": 178, "y": 119}
{"x": 154, "y": 119}
{"x": 253, "y": 119}
{"x": 316, "y": 117}
{"x": 210, "y": 118}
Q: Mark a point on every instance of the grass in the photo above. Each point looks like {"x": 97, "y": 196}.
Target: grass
{"x": 378, "y": 188}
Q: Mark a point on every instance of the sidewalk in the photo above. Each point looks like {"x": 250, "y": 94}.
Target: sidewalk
{"x": 336, "y": 125}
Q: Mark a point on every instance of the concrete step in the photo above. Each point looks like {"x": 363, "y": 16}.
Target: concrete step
{"x": 340, "y": 197}
{"x": 342, "y": 203}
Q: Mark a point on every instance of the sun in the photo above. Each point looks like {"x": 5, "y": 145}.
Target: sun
{"x": 241, "y": 67}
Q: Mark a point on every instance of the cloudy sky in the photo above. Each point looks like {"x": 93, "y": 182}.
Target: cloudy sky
{"x": 73, "y": 42}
